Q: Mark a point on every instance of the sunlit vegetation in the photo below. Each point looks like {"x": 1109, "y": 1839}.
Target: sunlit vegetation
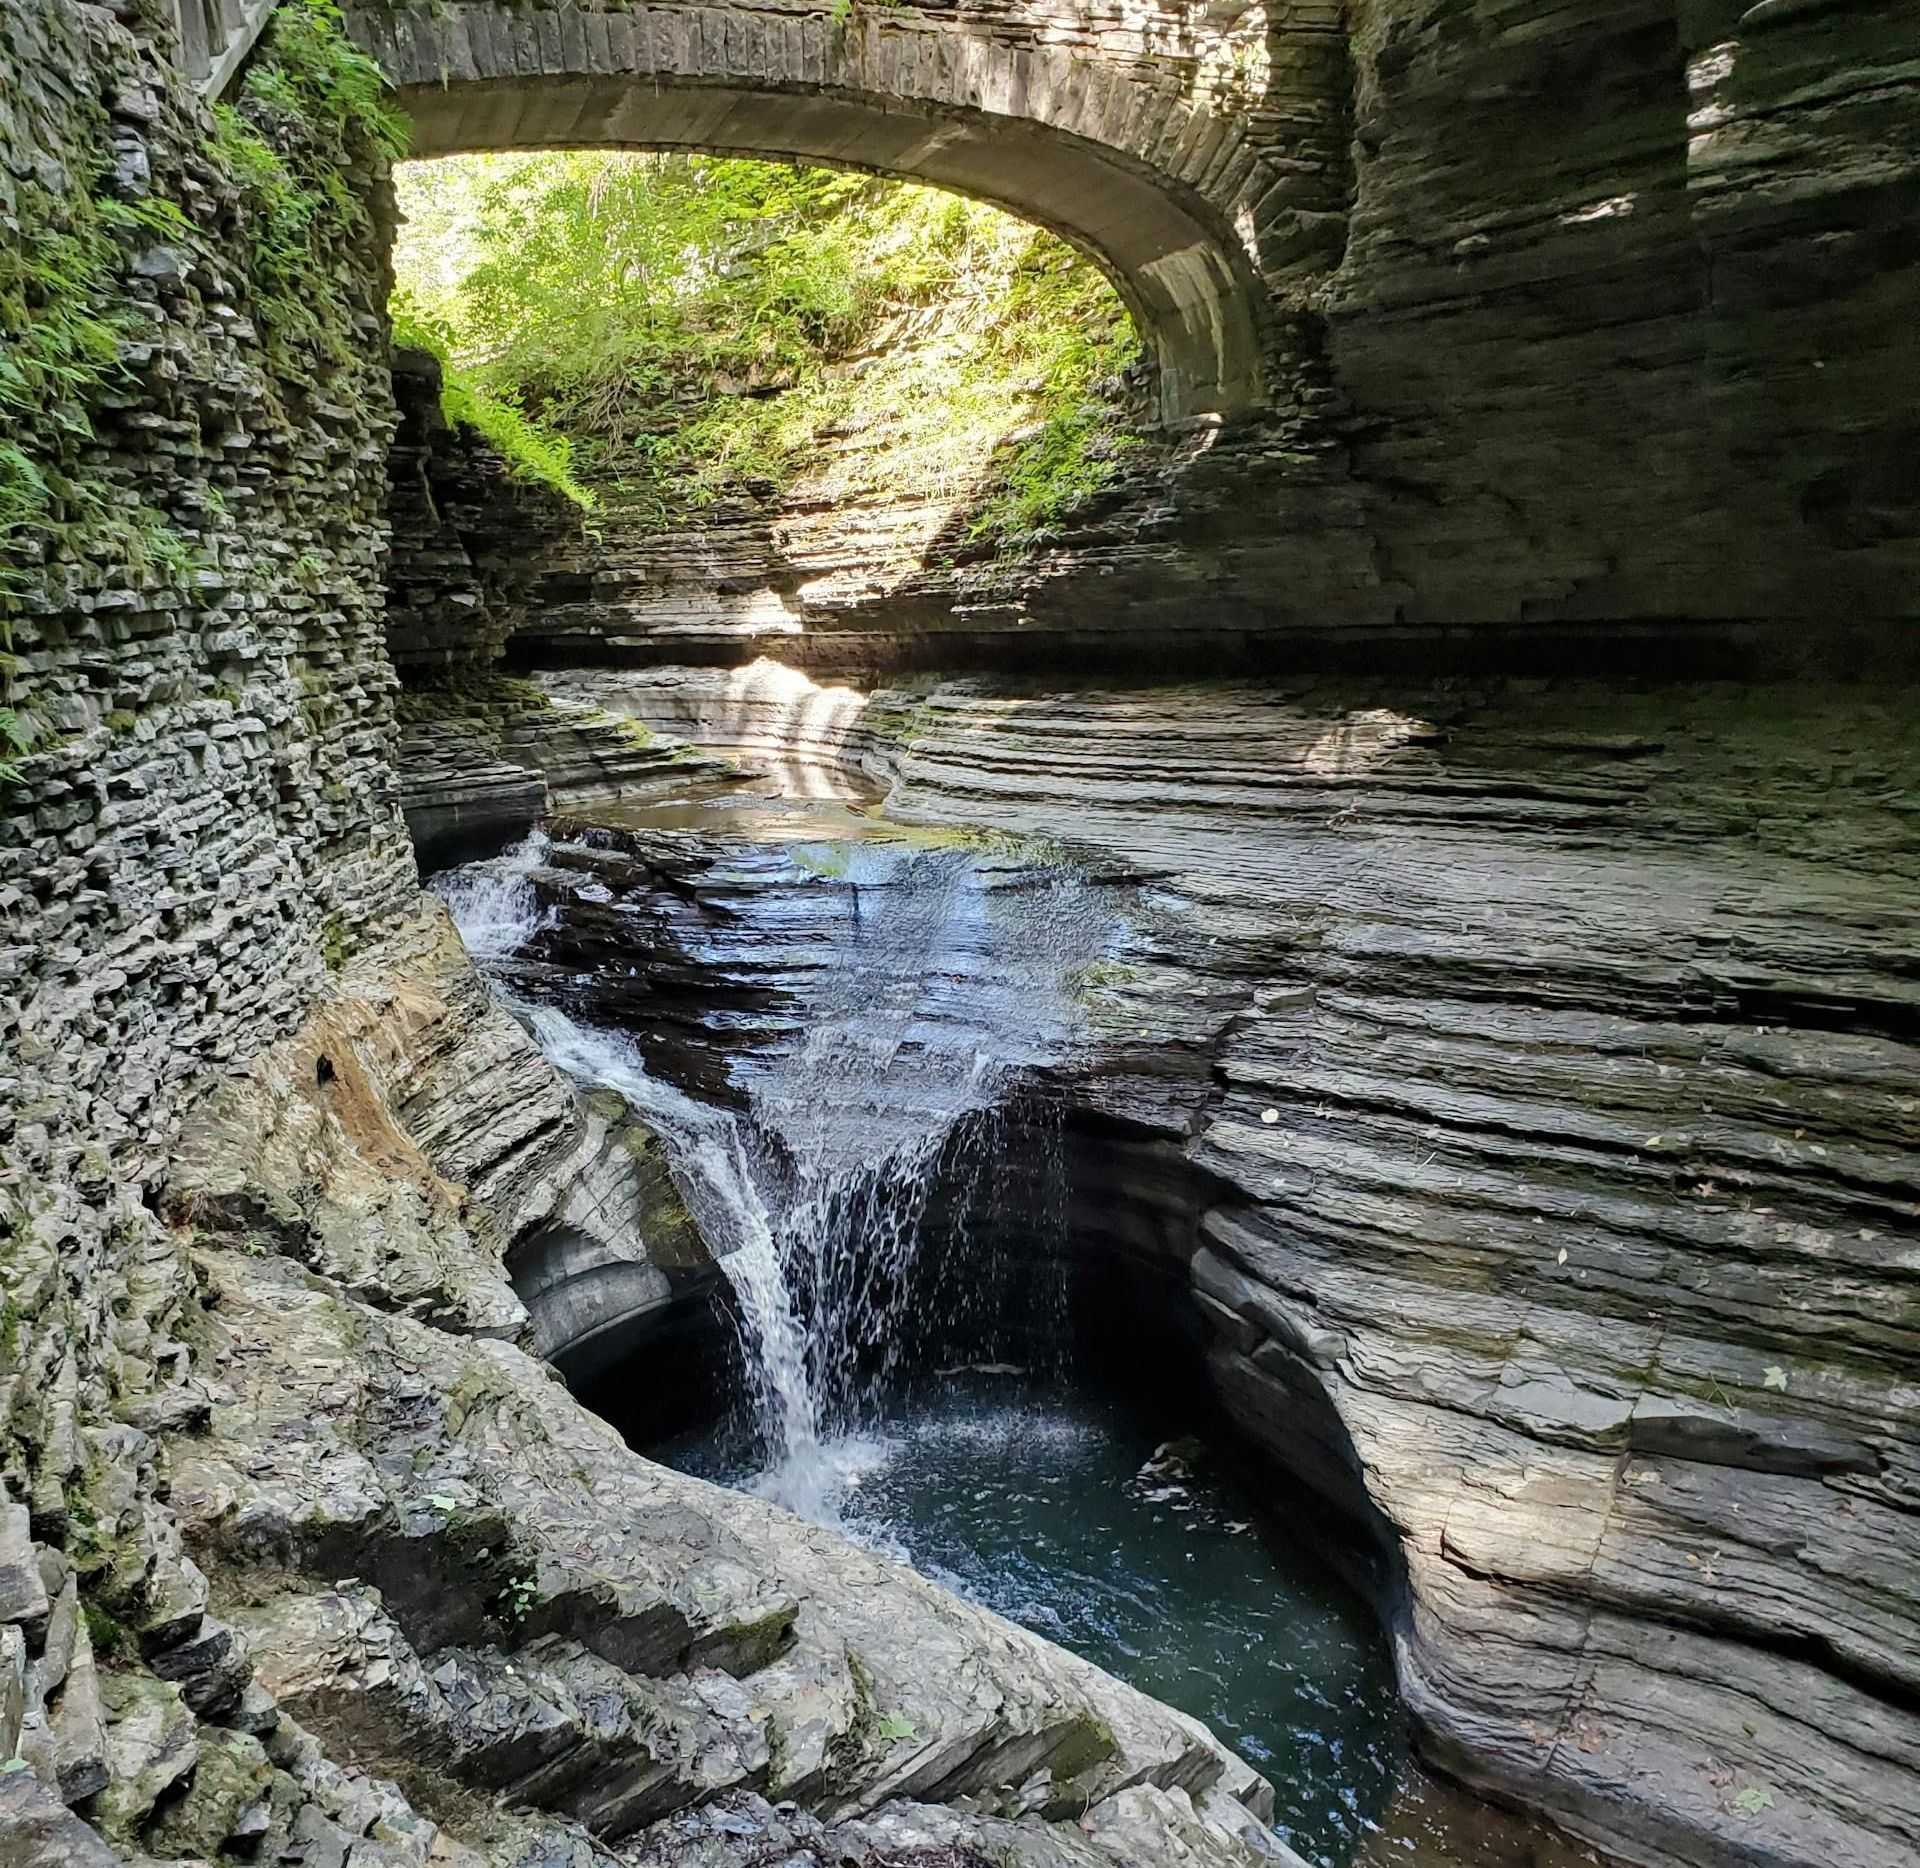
{"x": 298, "y": 113}
{"x": 535, "y": 451}
{"x": 672, "y": 326}
{"x": 297, "y": 142}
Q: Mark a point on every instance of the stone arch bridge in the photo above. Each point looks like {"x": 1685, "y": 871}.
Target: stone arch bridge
{"x": 1201, "y": 165}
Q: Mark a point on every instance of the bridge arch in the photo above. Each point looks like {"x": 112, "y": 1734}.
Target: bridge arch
{"x": 1123, "y": 166}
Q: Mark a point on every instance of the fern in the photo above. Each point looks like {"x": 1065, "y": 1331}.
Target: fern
{"x": 532, "y": 452}
{"x": 312, "y": 97}
{"x": 18, "y": 735}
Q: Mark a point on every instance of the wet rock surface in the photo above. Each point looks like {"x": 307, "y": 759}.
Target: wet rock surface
{"x": 1521, "y": 1081}
{"x": 1445, "y": 965}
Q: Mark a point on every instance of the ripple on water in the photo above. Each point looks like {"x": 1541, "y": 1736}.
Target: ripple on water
{"x": 1053, "y": 1509}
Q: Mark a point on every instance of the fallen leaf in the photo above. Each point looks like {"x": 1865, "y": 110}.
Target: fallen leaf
{"x": 1777, "y": 1378}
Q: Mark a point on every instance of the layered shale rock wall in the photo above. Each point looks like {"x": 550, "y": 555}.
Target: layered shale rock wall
{"x": 468, "y": 539}
{"x": 1543, "y": 1060}
{"x": 1566, "y": 316}
{"x": 287, "y": 1510}
{"x": 206, "y": 829}
{"x": 1520, "y": 1081}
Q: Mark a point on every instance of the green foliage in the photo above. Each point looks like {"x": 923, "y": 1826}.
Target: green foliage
{"x": 107, "y": 1635}
{"x": 312, "y": 108}
{"x": 311, "y": 103}
{"x": 691, "y": 322}
{"x": 60, "y": 337}
{"x": 532, "y": 451}
{"x": 518, "y": 1597}
{"x": 63, "y": 320}
{"x": 18, "y": 735}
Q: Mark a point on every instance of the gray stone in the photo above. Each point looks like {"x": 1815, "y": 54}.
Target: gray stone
{"x": 13, "y": 1689}
{"x": 23, "y": 1595}
{"x": 1548, "y": 1230}
{"x": 152, "y": 1744}
{"x": 211, "y": 1668}
{"x": 37, "y": 1830}
{"x": 78, "y": 1724}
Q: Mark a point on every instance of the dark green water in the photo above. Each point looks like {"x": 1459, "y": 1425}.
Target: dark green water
{"x": 1052, "y": 1508}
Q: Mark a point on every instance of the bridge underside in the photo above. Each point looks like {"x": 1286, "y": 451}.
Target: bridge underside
{"x": 1059, "y": 142}
{"x": 1182, "y": 287}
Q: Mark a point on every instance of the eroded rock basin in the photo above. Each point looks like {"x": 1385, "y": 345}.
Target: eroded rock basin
{"x": 1168, "y": 1563}
{"x": 695, "y": 933}
{"x": 1063, "y": 1511}
{"x": 1510, "y": 1089}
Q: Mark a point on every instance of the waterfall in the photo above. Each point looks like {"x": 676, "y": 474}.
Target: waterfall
{"x": 712, "y": 1168}
{"x": 494, "y": 904}
{"x": 930, "y": 981}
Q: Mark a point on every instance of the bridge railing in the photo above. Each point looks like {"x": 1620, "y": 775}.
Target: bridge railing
{"x": 215, "y": 38}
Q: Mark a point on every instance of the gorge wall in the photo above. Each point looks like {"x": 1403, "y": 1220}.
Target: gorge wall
{"x": 1542, "y": 1057}
{"x": 303, "y": 1556}
{"x": 1518, "y": 1081}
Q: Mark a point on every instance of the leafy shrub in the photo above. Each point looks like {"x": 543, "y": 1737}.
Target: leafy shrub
{"x": 532, "y": 451}
{"x": 692, "y": 322}
{"x": 307, "y": 111}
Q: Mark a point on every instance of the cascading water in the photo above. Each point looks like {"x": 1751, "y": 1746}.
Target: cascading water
{"x": 885, "y": 1107}
{"x": 942, "y": 982}
{"x": 494, "y": 904}
{"x": 715, "y": 1172}
{"x": 940, "y": 978}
